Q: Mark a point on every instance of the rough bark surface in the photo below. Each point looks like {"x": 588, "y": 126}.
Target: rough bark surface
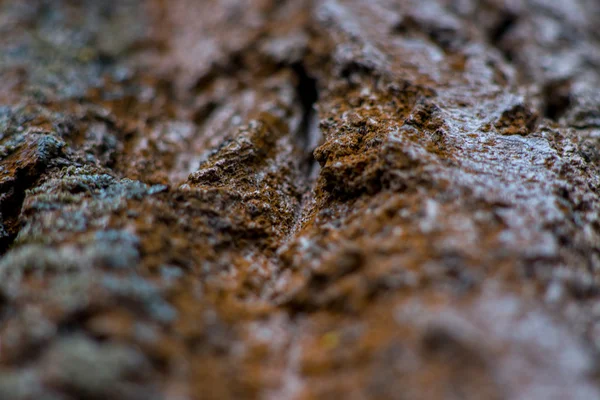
{"x": 299, "y": 199}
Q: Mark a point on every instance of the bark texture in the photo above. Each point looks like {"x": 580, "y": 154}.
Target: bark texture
{"x": 299, "y": 199}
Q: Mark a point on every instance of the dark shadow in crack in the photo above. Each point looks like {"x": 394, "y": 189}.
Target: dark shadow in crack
{"x": 309, "y": 134}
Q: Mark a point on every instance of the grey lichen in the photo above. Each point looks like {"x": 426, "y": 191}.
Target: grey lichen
{"x": 94, "y": 370}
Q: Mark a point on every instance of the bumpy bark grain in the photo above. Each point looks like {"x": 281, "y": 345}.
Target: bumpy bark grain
{"x": 299, "y": 199}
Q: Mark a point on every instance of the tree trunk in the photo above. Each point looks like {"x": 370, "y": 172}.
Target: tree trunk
{"x": 299, "y": 199}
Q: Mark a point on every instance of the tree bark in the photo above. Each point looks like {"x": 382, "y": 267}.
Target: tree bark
{"x": 299, "y": 199}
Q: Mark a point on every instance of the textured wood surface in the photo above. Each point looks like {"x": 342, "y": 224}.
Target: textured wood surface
{"x": 299, "y": 199}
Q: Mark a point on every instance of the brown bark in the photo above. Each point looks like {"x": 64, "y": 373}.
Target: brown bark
{"x": 299, "y": 199}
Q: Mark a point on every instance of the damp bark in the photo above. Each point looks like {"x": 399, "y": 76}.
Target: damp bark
{"x": 299, "y": 199}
